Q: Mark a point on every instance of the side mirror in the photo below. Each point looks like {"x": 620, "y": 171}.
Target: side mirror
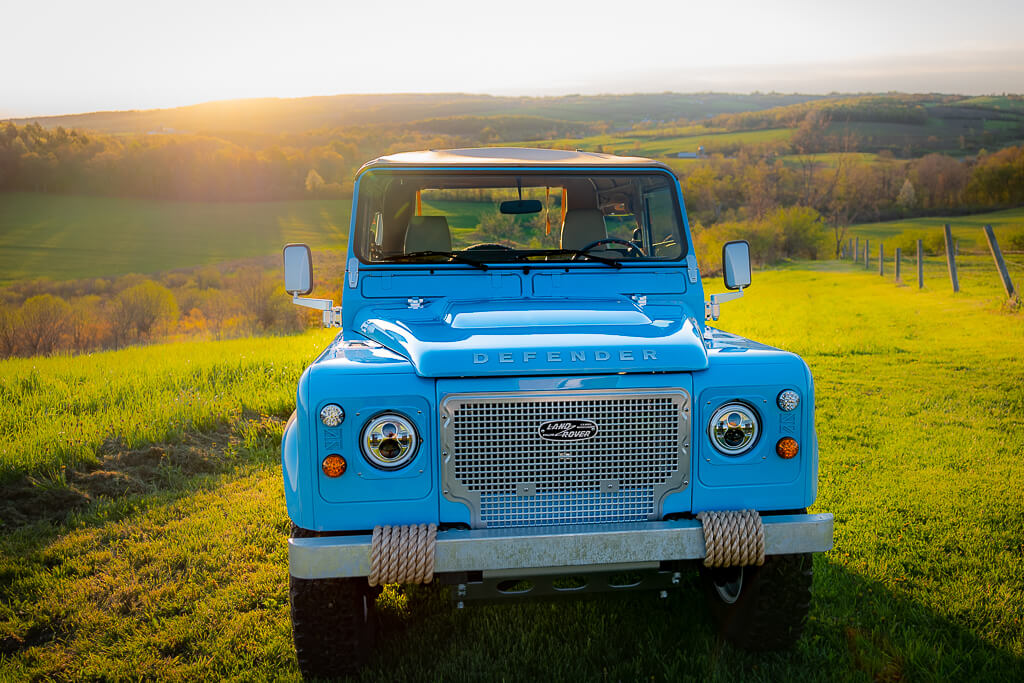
{"x": 736, "y": 264}
{"x": 298, "y": 269}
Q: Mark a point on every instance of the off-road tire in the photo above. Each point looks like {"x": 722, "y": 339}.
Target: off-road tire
{"x": 771, "y": 605}
{"x": 334, "y": 623}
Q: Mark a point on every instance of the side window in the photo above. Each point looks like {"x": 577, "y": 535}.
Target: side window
{"x": 661, "y": 217}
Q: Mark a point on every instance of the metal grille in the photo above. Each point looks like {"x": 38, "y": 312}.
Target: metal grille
{"x": 495, "y": 460}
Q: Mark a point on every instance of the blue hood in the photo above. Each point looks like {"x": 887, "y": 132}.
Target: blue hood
{"x": 448, "y": 338}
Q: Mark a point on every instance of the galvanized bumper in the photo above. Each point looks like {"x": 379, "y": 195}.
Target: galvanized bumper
{"x": 551, "y": 549}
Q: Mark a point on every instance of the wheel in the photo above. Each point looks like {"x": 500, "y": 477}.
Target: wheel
{"x": 333, "y": 622}
{"x": 761, "y": 608}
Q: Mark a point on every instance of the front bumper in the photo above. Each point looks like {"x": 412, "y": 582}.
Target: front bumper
{"x": 555, "y": 549}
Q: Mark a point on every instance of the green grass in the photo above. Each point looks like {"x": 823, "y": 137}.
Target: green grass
{"x": 831, "y": 159}
{"x": 645, "y": 144}
{"x": 919, "y": 398}
{"x": 966, "y": 229}
{"x": 68, "y": 237}
{"x": 61, "y": 411}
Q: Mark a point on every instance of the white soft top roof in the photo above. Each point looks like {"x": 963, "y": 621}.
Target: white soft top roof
{"x": 507, "y": 156}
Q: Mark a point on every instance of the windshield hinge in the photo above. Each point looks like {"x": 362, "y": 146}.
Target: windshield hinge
{"x": 415, "y": 302}
{"x": 691, "y": 270}
{"x": 353, "y": 272}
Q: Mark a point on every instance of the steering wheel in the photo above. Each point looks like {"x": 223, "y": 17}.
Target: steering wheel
{"x": 488, "y": 246}
{"x": 630, "y": 246}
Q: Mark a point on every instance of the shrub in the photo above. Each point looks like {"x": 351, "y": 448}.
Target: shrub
{"x": 1015, "y": 241}
{"x": 932, "y": 242}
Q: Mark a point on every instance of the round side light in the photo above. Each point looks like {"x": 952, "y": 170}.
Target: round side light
{"x": 787, "y": 400}
{"x": 332, "y": 415}
{"x": 787, "y": 447}
{"x": 389, "y": 441}
{"x": 734, "y": 428}
{"x": 334, "y": 466}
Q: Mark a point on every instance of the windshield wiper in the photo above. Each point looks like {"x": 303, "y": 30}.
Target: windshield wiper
{"x": 453, "y": 255}
{"x": 614, "y": 263}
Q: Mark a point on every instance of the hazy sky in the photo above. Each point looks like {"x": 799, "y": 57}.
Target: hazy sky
{"x": 64, "y": 57}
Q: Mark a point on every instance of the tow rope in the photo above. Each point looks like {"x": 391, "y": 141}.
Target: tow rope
{"x": 732, "y": 538}
{"x": 402, "y": 554}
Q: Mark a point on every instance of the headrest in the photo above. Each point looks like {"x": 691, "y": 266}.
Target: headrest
{"x": 427, "y": 233}
{"x": 582, "y": 227}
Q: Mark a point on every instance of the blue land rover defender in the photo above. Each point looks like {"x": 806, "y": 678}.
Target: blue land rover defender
{"x": 524, "y": 388}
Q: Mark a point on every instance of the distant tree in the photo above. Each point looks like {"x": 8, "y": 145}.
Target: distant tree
{"x": 42, "y": 321}
{"x": 801, "y": 231}
{"x": 9, "y": 324}
{"x": 939, "y": 180}
{"x": 87, "y": 326}
{"x": 313, "y": 182}
{"x": 907, "y": 198}
{"x": 139, "y": 311}
{"x": 998, "y": 178}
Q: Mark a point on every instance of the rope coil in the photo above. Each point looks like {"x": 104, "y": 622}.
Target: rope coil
{"x": 733, "y": 538}
{"x": 402, "y": 554}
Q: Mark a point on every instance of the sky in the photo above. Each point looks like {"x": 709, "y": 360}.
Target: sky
{"x": 71, "y": 57}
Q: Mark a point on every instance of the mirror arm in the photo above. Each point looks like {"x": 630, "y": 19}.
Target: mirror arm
{"x": 712, "y": 309}
{"x": 331, "y": 313}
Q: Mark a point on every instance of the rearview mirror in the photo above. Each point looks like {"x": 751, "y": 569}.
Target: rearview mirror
{"x": 736, "y": 264}
{"x": 517, "y": 206}
{"x": 298, "y": 269}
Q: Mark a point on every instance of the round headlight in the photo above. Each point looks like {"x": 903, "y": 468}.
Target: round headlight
{"x": 332, "y": 415}
{"x": 389, "y": 441}
{"x": 788, "y": 400}
{"x": 734, "y": 428}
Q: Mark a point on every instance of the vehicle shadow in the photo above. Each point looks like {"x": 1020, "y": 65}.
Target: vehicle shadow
{"x": 858, "y": 629}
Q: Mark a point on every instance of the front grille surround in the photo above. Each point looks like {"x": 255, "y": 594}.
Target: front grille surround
{"x": 494, "y": 460}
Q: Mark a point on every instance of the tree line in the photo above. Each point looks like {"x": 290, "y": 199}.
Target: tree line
{"x": 236, "y": 166}
{"x": 245, "y": 298}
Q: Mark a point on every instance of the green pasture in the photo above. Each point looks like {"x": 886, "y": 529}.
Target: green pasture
{"x": 966, "y": 229}
{"x": 645, "y": 144}
{"x": 919, "y": 399}
{"x": 69, "y": 237}
{"x": 830, "y": 159}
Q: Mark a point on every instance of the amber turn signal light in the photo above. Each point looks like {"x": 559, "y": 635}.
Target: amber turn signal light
{"x": 787, "y": 447}
{"x": 334, "y": 466}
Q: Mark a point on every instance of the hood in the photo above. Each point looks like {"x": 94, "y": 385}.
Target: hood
{"x": 537, "y": 336}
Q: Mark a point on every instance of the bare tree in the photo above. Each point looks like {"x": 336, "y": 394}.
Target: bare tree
{"x": 42, "y": 319}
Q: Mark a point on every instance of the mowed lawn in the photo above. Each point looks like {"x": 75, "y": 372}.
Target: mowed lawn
{"x": 68, "y": 237}
{"x": 919, "y": 404}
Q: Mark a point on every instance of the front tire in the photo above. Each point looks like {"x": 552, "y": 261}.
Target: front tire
{"x": 761, "y": 608}
{"x": 334, "y": 623}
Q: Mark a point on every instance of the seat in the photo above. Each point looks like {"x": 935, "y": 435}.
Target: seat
{"x": 427, "y": 233}
{"x": 582, "y": 227}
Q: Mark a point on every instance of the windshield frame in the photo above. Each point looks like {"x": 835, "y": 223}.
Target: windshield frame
{"x": 360, "y": 218}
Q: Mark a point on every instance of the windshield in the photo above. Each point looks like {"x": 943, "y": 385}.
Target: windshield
{"x": 480, "y": 218}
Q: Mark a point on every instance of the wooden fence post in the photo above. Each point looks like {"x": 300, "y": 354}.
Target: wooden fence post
{"x": 898, "y": 254}
{"x": 856, "y": 249}
{"x": 920, "y": 267}
{"x": 951, "y": 259}
{"x": 881, "y": 258}
{"x": 850, "y": 253}
{"x": 867, "y": 254}
{"x": 997, "y": 255}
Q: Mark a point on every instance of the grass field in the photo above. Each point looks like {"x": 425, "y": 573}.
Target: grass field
{"x": 966, "y": 229}
{"x": 645, "y": 144}
{"x": 67, "y": 237}
{"x": 184, "y": 575}
{"x": 976, "y": 269}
